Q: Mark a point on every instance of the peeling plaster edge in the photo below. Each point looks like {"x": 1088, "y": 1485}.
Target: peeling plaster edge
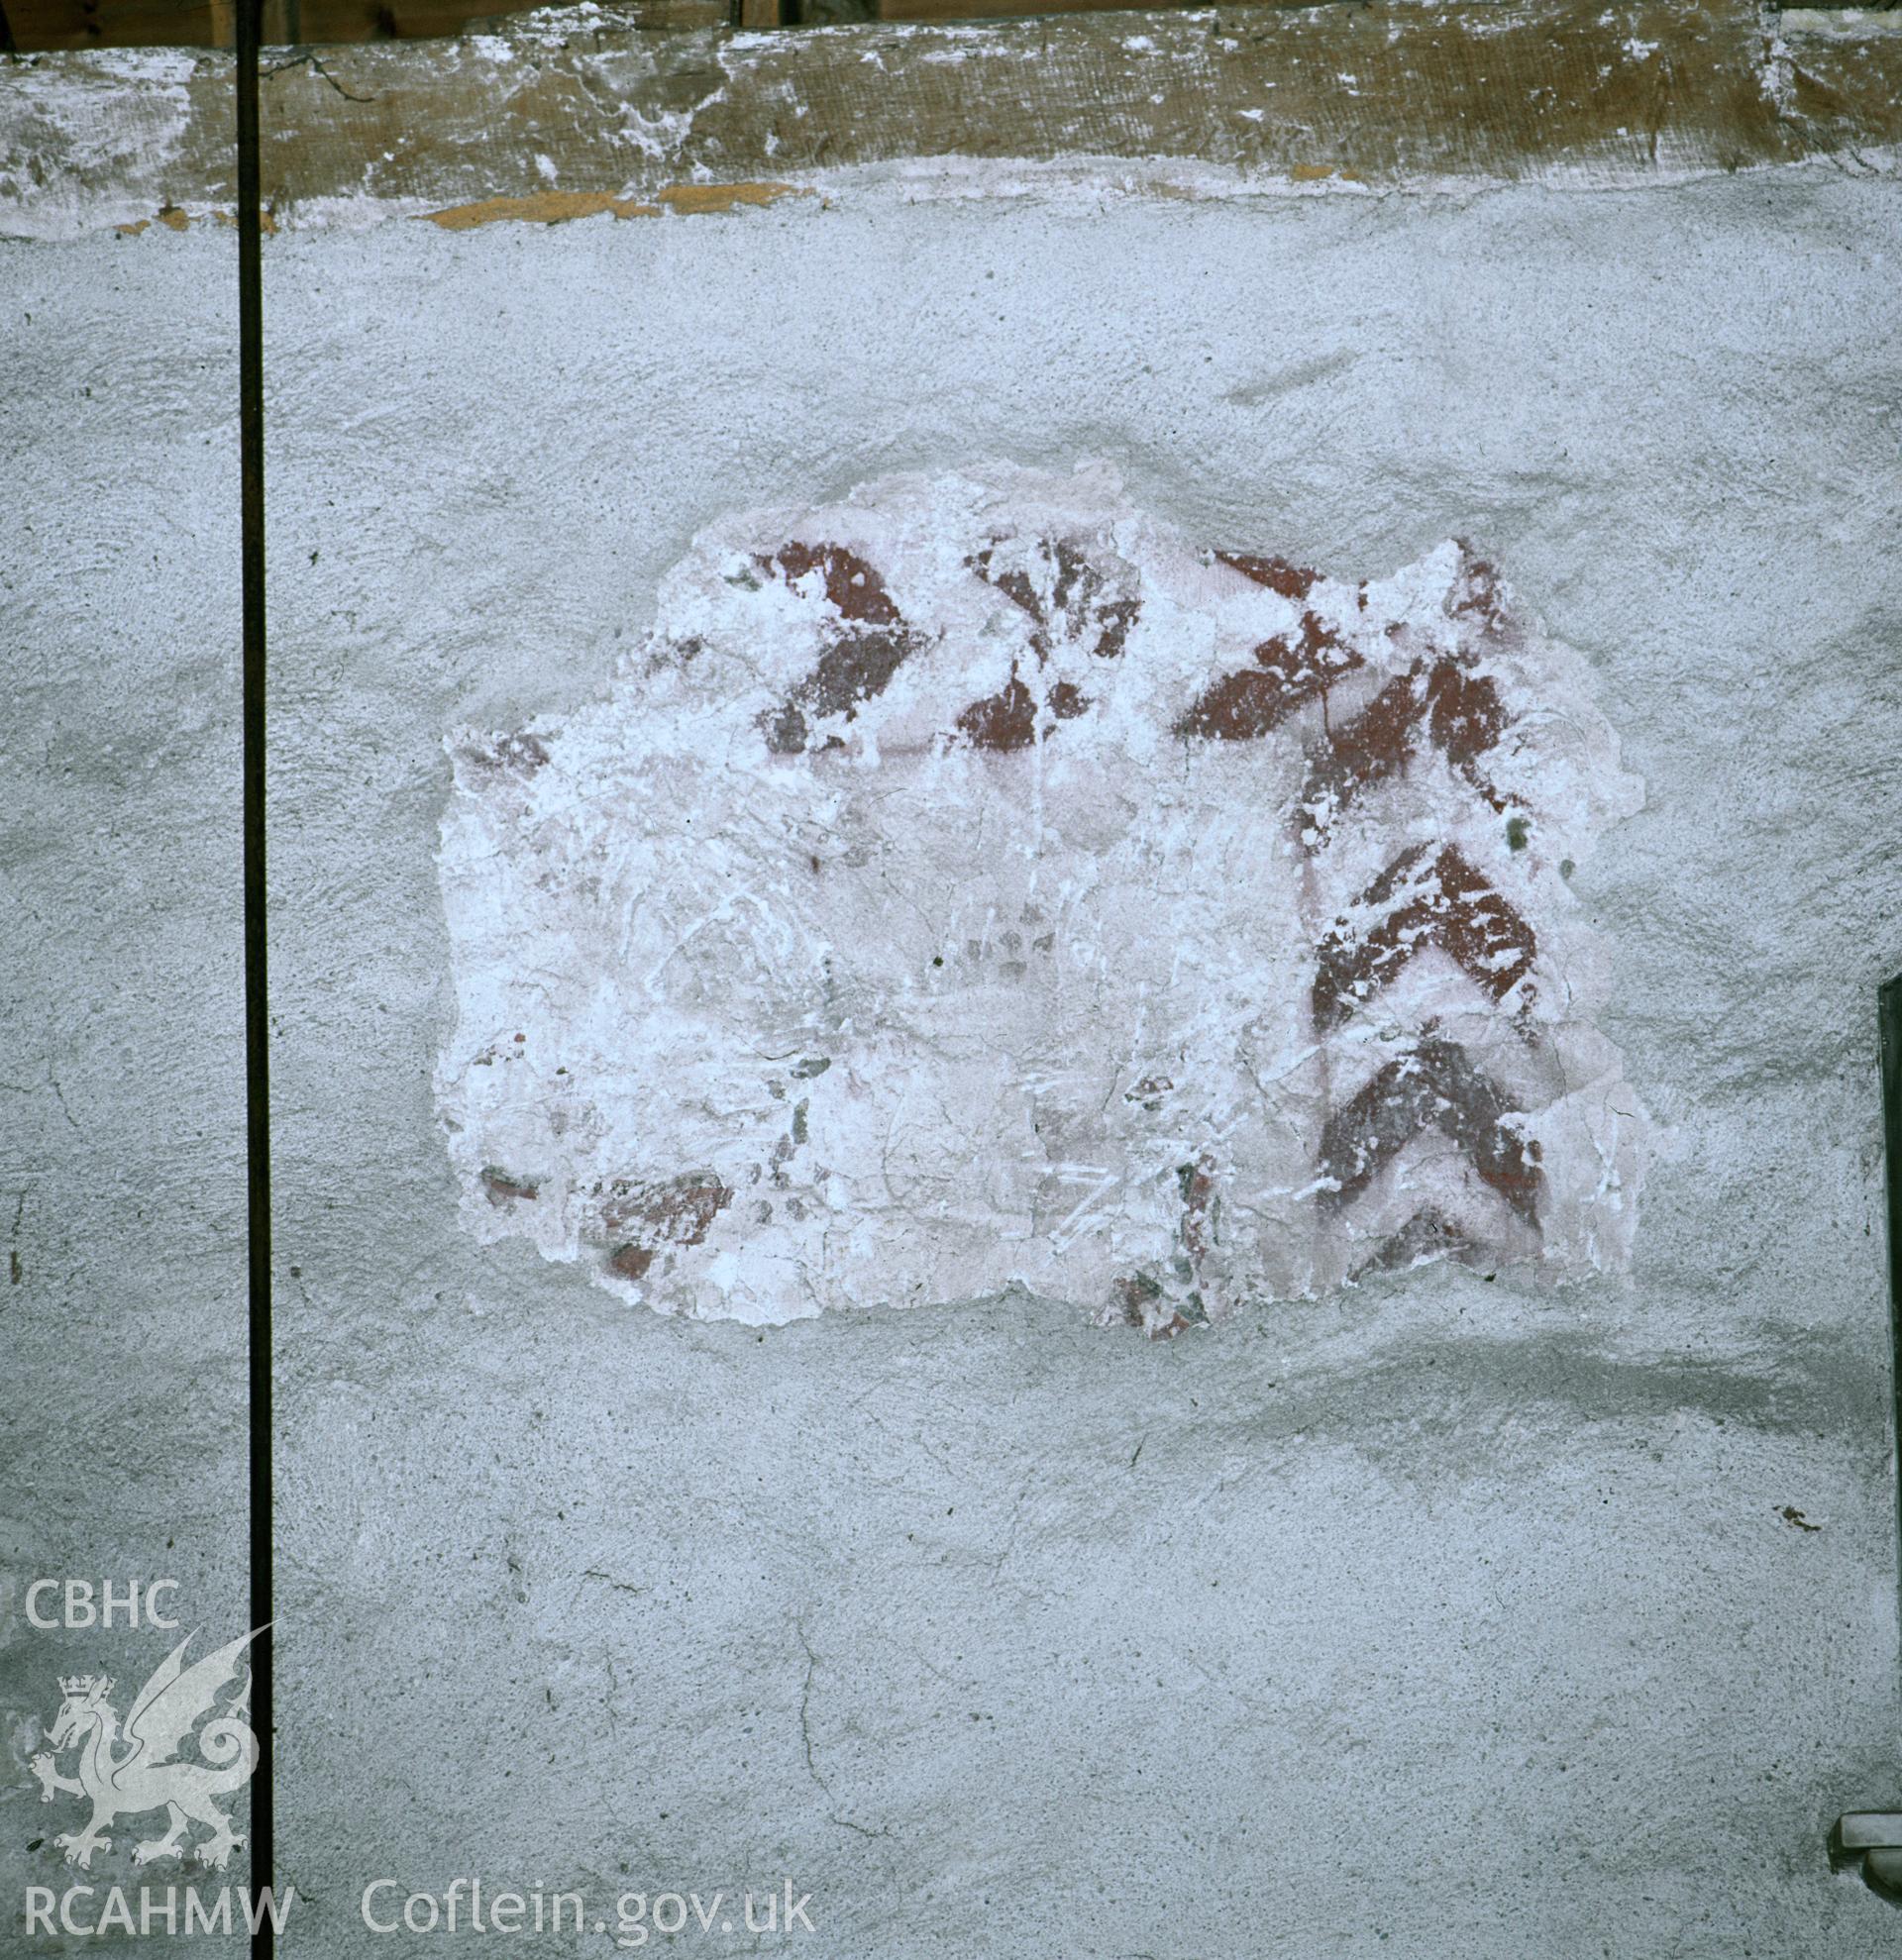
{"x": 956, "y": 180}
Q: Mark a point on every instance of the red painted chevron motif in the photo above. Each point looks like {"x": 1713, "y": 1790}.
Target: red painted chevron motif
{"x": 1279, "y": 575}
{"x": 1443, "y": 902}
{"x": 1434, "y": 1086}
{"x": 1286, "y": 674}
{"x": 1442, "y": 703}
{"x": 982, "y": 791}
{"x": 867, "y": 642}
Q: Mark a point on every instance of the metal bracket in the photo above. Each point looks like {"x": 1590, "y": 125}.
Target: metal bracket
{"x": 1871, "y": 1840}
{"x": 1890, "y": 1024}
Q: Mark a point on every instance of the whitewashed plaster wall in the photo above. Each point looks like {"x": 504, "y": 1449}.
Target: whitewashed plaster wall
{"x": 1446, "y": 1613}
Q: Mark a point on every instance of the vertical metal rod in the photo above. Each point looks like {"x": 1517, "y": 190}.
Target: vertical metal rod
{"x": 250, "y": 446}
{"x": 1889, "y": 1022}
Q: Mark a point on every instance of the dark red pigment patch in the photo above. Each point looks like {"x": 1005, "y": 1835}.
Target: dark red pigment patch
{"x": 1435, "y": 1086}
{"x": 648, "y": 1219}
{"x": 852, "y": 586}
{"x": 869, "y": 643}
{"x": 1118, "y": 616}
{"x": 1445, "y": 903}
{"x": 501, "y": 1188}
{"x": 1007, "y": 719}
{"x": 1138, "y": 1299}
{"x": 1002, "y": 721}
{"x": 1075, "y": 608}
{"x": 1132, "y": 1297}
{"x": 1241, "y": 706}
{"x": 1458, "y": 711}
{"x": 1426, "y": 1236}
{"x": 1279, "y": 575}
{"x": 1201, "y": 1209}
{"x": 1475, "y": 596}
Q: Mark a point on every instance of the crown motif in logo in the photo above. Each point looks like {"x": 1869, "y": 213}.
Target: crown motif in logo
{"x": 93, "y": 1686}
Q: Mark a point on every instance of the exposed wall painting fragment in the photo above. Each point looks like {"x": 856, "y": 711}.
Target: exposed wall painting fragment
{"x": 974, "y": 882}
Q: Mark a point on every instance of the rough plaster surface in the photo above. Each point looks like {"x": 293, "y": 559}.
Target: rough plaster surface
{"x": 1434, "y": 1617}
{"x": 122, "y": 1192}
{"x": 972, "y": 884}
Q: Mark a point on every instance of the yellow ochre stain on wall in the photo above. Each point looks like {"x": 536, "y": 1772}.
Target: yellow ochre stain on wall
{"x": 723, "y": 197}
{"x": 557, "y": 207}
{"x": 177, "y": 220}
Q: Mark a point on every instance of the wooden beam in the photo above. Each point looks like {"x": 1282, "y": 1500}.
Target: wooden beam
{"x": 1193, "y": 103}
{"x": 45, "y": 25}
{"x": 1006, "y": 10}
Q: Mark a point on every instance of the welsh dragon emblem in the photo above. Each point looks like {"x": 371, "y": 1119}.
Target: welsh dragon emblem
{"x": 140, "y": 1768}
